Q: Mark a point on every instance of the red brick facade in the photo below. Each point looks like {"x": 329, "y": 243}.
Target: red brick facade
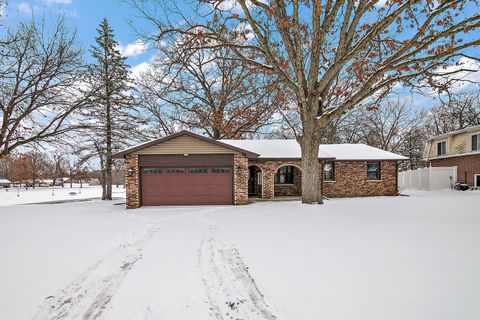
{"x": 351, "y": 180}
{"x": 467, "y": 166}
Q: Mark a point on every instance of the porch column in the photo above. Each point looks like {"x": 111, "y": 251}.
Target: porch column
{"x": 240, "y": 179}
{"x": 132, "y": 185}
{"x": 268, "y": 183}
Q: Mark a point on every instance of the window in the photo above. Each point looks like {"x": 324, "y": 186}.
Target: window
{"x": 441, "y": 148}
{"x": 284, "y": 175}
{"x": 221, "y": 170}
{"x": 329, "y": 171}
{"x": 175, "y": 170}
{"x": 152, "y": 170}
{"x": 373, "y": 170}
{"x": 476, "y": 142}
{"x": 197, "y": 170}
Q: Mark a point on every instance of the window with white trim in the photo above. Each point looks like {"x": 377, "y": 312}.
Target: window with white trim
{"x": 329, "y": 171}
{"x": 475, "y": 140}
{"x": 373, "y": 170}
{"x": 441, "y": 148}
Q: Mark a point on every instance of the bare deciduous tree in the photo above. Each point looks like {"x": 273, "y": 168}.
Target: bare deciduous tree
{"x": 200, "y": 89}
{"x": 333, "y": 55}
{"x": 458, "y": 111}
{"x": 40, "y": 68}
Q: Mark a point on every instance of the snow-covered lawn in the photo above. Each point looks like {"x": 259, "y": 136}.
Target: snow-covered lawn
{"x": 48, "y": 194}
{"x": 415, "y": 257}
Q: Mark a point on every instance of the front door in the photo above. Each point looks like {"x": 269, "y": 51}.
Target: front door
{"x": 254, "y": 182}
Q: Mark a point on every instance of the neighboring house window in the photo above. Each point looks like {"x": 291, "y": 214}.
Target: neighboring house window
{"x": 329, "y": 171}
{"x": 176, "y": 170}
{"x": 284, "y": 175}
{"x": 441, "y": 148}
{"x": 197, "y": 170}
{"x": 476, "y": 142}
{"x": 373, "y": 170}
{"x": 220, "y": 170}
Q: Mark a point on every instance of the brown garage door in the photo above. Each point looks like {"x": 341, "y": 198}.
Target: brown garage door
{"x": 187, "y": 183}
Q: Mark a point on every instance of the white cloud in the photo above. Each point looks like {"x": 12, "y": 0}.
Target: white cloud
{"x": 26, "y": 8}
{"x": 49, "y": 2}
{"x": 133, "y": 49}
{"x": 140, "y": 69}
{"x": 464, "y": 79}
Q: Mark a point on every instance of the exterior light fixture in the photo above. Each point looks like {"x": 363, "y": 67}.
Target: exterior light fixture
{"x": 130, "y": 172}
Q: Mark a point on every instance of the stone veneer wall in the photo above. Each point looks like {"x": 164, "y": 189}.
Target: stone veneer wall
{"x": 240, "y": 179}
{"x": 350, "y": 180}
{"x": 132, "y": 184}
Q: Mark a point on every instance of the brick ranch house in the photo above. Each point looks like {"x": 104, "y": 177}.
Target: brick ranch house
{"x": 458, "y": 148}
{"x": 186, "y": 169}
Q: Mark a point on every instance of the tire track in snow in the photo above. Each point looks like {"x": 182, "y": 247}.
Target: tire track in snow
{"x": 89, "y": 295}
{"x": 231, "y": 291}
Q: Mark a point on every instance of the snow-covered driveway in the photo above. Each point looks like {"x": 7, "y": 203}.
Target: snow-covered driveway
{"x": 380, "y": 258}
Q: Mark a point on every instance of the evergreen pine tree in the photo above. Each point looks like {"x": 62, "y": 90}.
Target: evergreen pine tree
{"x": 112, "y": 118}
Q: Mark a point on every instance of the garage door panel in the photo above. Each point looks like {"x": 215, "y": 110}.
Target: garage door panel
{"x": 163, "y": 187}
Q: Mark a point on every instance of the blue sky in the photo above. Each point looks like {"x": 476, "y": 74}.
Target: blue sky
{"x": 85, "y": 16}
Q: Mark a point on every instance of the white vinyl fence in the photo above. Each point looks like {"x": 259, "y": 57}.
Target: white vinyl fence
{"x": 431, "y": 178}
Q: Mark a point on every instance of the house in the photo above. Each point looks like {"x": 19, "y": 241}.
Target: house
{"x": 458, "y": 148}
{"x": 4, "y": 183}
{"x": 186, "y": 168}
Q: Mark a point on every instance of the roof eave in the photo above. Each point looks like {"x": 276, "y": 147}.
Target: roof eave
{"x": 122, "y": 154}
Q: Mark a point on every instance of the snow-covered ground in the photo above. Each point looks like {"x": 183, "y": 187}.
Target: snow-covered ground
{"x": 37, "y": 195}
{"x": 415, "y": 257}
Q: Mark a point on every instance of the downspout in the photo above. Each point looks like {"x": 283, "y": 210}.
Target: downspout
{"x": 396, "y": 180}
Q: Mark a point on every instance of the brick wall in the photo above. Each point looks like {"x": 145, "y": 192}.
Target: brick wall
{"x": 132, "y": 184}
{"x": 350, "y": 180}
{"x": 240, "y": 179}
{"x": 269, "y": 189}
{"x": 467, "y": 166}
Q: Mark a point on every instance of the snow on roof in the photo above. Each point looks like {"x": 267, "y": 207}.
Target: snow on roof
{"x": 4, "y": 181}
{"x": 291, "y": 149}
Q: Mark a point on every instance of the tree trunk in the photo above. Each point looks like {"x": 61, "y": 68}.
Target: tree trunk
{"x": 104, "y": 186}
{"x": 109, "y": 160}
{"x": 311, "y": 183}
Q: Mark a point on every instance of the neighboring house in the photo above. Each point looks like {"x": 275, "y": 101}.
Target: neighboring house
{"x": 185, "y": 168}
{"x": 459, "y": 148}
{"x": 4, "y": 183}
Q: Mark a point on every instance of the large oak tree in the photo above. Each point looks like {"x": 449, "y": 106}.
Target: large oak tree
{"x": 332, "y": 55}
